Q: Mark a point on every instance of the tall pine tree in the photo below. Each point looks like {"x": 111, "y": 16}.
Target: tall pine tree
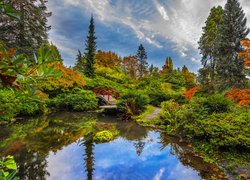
{"x": 30, "y": 31}
{"x": 232, "y": 31}
{"x": 207, "y": 44}
{"x": 142, "y": 63}
{"x": 90, "y": 50}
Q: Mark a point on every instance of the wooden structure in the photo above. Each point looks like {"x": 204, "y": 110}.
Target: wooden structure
{"x": 108, "y": 96}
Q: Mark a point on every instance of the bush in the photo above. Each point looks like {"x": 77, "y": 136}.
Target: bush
{"x": 156, "y": 98}
{"x": 14, "y": 103}
{"x": 217, "y": 103}
{"x": 8, "y": 105}
{"x": 69, "y": 79}
{"x": 209, "y": 120}
{"x": 75, "y": 100}
{"x": 103, "y": 136}
{"x": 222, "y": 129}
{"x": 133, "y": 103}
{"x": 172, "y": 114}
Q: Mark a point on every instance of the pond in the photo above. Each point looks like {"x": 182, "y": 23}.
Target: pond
{"x": 61, "y": 147}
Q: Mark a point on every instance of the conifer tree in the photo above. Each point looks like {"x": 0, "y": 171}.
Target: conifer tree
{"x": 90, "y": 50}
{"x": 142, "y": 63}
{"x": 208, "y": 42}
{"x": 30, "y": 31}
{"x": 168, "y": 66}
{"x": 55, "y": 53}
{"x": 79, "y": 65}
{"x": 232, "y": 31}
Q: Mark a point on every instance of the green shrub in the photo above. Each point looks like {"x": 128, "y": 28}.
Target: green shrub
{"x": 103, "y": 136}
{"x": 156, "y": 98}
{"x": 172, "y": 115}
{"x": 8, "y": 105}
{"x": 14, "y": 103}
{"x": 209, "y": 120}
{"x": 222, "y": 129}
{"x": 28, "y": 106}
{"x": 75, "y": 100}
{"x": 133, "y": 103}
{"x": 217, "y": 103}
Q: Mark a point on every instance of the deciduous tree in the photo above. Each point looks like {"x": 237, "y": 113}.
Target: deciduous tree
{"x": 107, "y": 59}
{"x": 129, "y": 64}
{"x": 245, "y": 54}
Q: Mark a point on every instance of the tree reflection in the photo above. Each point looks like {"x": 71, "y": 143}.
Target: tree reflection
{"x": 189, "y": 158}
{"x": 31, "y": 165}
{"x": 89, "y": 158}
{"x": 139, "y": 145}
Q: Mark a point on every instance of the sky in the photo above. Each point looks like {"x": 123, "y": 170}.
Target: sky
{"x": 164, "y": 27}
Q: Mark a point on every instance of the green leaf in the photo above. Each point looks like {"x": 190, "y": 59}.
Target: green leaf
{"x": 6, "y": 174}
{"x": 10, "y": 164}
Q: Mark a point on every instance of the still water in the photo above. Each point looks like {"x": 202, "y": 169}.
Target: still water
{"x": 61, "y": 147}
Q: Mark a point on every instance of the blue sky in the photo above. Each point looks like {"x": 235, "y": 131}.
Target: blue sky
{"x": 164, "y": 27}
{"x": 118, "y": 160}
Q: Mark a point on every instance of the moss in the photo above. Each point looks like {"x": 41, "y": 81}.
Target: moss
{"x": 103, "y": 136}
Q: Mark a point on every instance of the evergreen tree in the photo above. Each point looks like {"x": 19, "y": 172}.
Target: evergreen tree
{"x": 30, "y": 31}
{"x": 168, "y": 66}
{"x": 151, "y": 69}
{"x": 89, "y": 159}
{"x": 90, "y": 50}
{"x": 208, "y": 42}
{"x": 55, "y": 52}
{"x": 79, "y": 65}
{"x": 141, "y": 58}
{"x": 232, "y": 31}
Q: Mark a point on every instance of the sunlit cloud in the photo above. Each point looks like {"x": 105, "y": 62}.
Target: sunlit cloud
{"x": 177, "y": 23}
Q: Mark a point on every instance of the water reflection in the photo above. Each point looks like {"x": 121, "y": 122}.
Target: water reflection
{"x": 89, "y": 159}
{"x": 61, "y": 147}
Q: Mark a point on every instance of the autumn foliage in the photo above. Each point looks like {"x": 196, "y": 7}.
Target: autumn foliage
{"x": 107, "y": 59}
{"x": 68, "y": 80}
{"x": 246, "y": 53}
{"x": 190, "y": 93}
{"x": 8, "y": 79}
{"x": 240, "y": 96}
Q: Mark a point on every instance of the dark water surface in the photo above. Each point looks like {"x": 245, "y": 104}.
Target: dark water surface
{"x": 61, "y": 147}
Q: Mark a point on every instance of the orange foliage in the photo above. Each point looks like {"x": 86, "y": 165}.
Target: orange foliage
{"x": 129, "y": 63}
{"x": 7, "y": 79}
{"x": 68, "y": 79}
{"x": 246, "y": 53}
{"x": 107, "y": 59}
{"x": 240, "y": 96}
{"x": 41, "y": 95}
{"x": 190, "y": 93}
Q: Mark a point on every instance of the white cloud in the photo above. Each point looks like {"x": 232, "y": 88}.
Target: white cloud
{"x": 159, "y": 174}
{"x": 155, "y": 22}
{"x": 178, "y": 21}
